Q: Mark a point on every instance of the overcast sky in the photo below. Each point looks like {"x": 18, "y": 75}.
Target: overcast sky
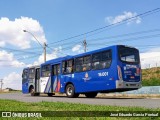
{"x": 54, "y": 20}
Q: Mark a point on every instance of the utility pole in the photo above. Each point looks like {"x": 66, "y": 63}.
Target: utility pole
{"x": 1, "y": 81}
{"x": 44, "y": 48}
{"x": 85, "y": 45}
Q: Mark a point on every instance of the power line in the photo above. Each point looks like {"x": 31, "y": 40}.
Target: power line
{"x": 56, "y": 51}
{"x": 7, "y": 66}
{"x": 129, "y": 39}
{"x": 128, "y": 34}
{"x": 131, "y": 18}
{"x": 120, "y": 24}
{"x": 148, "y": 45}
{"x": 16, "y": 50}
{"x": 116, "y": 36}
{"x": 65, "y": 43}
{"x": 98, "y": 29}
{"x": 142, "y": 15}
{"x": 21, "y": 58}
{"x": 30, "y": 57}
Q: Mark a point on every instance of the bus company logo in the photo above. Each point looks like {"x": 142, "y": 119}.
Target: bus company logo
{"x": 86, "y": 77}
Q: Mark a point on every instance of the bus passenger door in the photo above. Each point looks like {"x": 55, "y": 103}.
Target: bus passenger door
{"x": 37, "y": 80}
{"x": 25, "y": 81}
{"x": 55, "y": 78}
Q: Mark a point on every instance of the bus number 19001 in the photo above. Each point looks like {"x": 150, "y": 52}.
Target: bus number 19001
{"x": 103, "y": 74}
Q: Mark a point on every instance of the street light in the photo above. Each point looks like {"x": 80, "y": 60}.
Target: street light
{"x": 43, "y": 46}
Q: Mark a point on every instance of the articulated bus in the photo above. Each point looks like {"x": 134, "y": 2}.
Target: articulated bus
{"x": 111, "y": 69}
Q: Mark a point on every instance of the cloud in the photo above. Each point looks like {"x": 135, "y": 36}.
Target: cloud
{"x": 13, "y": 80}
{"x": 7, "y": 59}
{"x": 77, "y": 48}
{"x": 124, "y": 16}
{"x": 52, "y": 55}
{"x": 150, "y": 58}
{"x": 11, "y": 32}
{"x": 48, "y": 57}
{"x": 2, "y": 43}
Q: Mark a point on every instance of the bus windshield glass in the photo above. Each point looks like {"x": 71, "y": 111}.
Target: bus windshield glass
{"x": 128, "y": 55}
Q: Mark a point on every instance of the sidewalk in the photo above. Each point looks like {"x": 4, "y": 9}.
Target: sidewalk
{"x": 124, "y": 95}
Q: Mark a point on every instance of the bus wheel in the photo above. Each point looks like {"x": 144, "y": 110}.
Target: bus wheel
{"x": 91, "y": 95}
{"x": 70, "y": 91}
{"x": 50, "y": 94}
{"x": 36, "y": 94}
{"x": 32, "y": 91}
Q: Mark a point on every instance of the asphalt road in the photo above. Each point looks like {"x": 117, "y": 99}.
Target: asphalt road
{"x": 140, "y": 102}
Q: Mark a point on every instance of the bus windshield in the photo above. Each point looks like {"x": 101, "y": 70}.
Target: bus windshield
{"x": 128, "y": 55}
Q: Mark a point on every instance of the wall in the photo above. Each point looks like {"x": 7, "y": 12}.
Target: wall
{"x": 145, "y": 90}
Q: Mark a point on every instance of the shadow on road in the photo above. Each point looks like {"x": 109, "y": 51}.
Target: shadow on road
{"x": 83, "y": 97}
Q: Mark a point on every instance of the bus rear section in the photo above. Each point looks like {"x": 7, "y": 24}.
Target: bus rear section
{"x": 129, "y": 69}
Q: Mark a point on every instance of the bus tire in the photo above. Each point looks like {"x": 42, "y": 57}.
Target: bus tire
{"x": 36, "y": 94}
{"x": 70, "y": 91}
{"x": 91, "y": 95}
{"x": 32, "y": 91}
{"x": 50, "y": 94}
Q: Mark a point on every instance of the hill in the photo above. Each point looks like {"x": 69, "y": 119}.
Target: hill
{"x": 151, "y": 77}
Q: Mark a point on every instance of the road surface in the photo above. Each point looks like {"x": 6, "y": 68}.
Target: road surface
{"x": 140, "y": 102}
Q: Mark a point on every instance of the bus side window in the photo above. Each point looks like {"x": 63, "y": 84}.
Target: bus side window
{"x": 58, "y": 69}
{"x": 86, "y": 63}
{"x": 46, "y": 70}
{"x": 101, "y": 60}
{"x": 68, "y": 66}
{"x": 24, "y": 76}
{"x": 78, "y": 64}
{"x": 83, "y": 63}
{"x": 106, "y": 59}
{"x": 96, "y": 58}
{"x": 32, "y": 73}
{"x": 38, "y": 73}
{"x": 64, "y": 66}
{"x": 54, "y": 70}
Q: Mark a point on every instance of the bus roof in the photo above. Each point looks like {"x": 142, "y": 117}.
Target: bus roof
{"x": 57, "y": 60}
{"x": 95, "y": 51}
{"x": 79, "y": 55}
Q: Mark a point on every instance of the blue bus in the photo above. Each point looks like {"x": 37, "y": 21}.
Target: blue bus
{"x": 112, "y": 69}
{"x": 30, "y": 80}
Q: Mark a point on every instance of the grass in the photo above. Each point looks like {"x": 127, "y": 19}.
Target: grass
{"x": 151, "y": 77}
{"x": 12, "y": 105}
{"x": 151, "y": 82}
{"x": 14, "y": 91}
